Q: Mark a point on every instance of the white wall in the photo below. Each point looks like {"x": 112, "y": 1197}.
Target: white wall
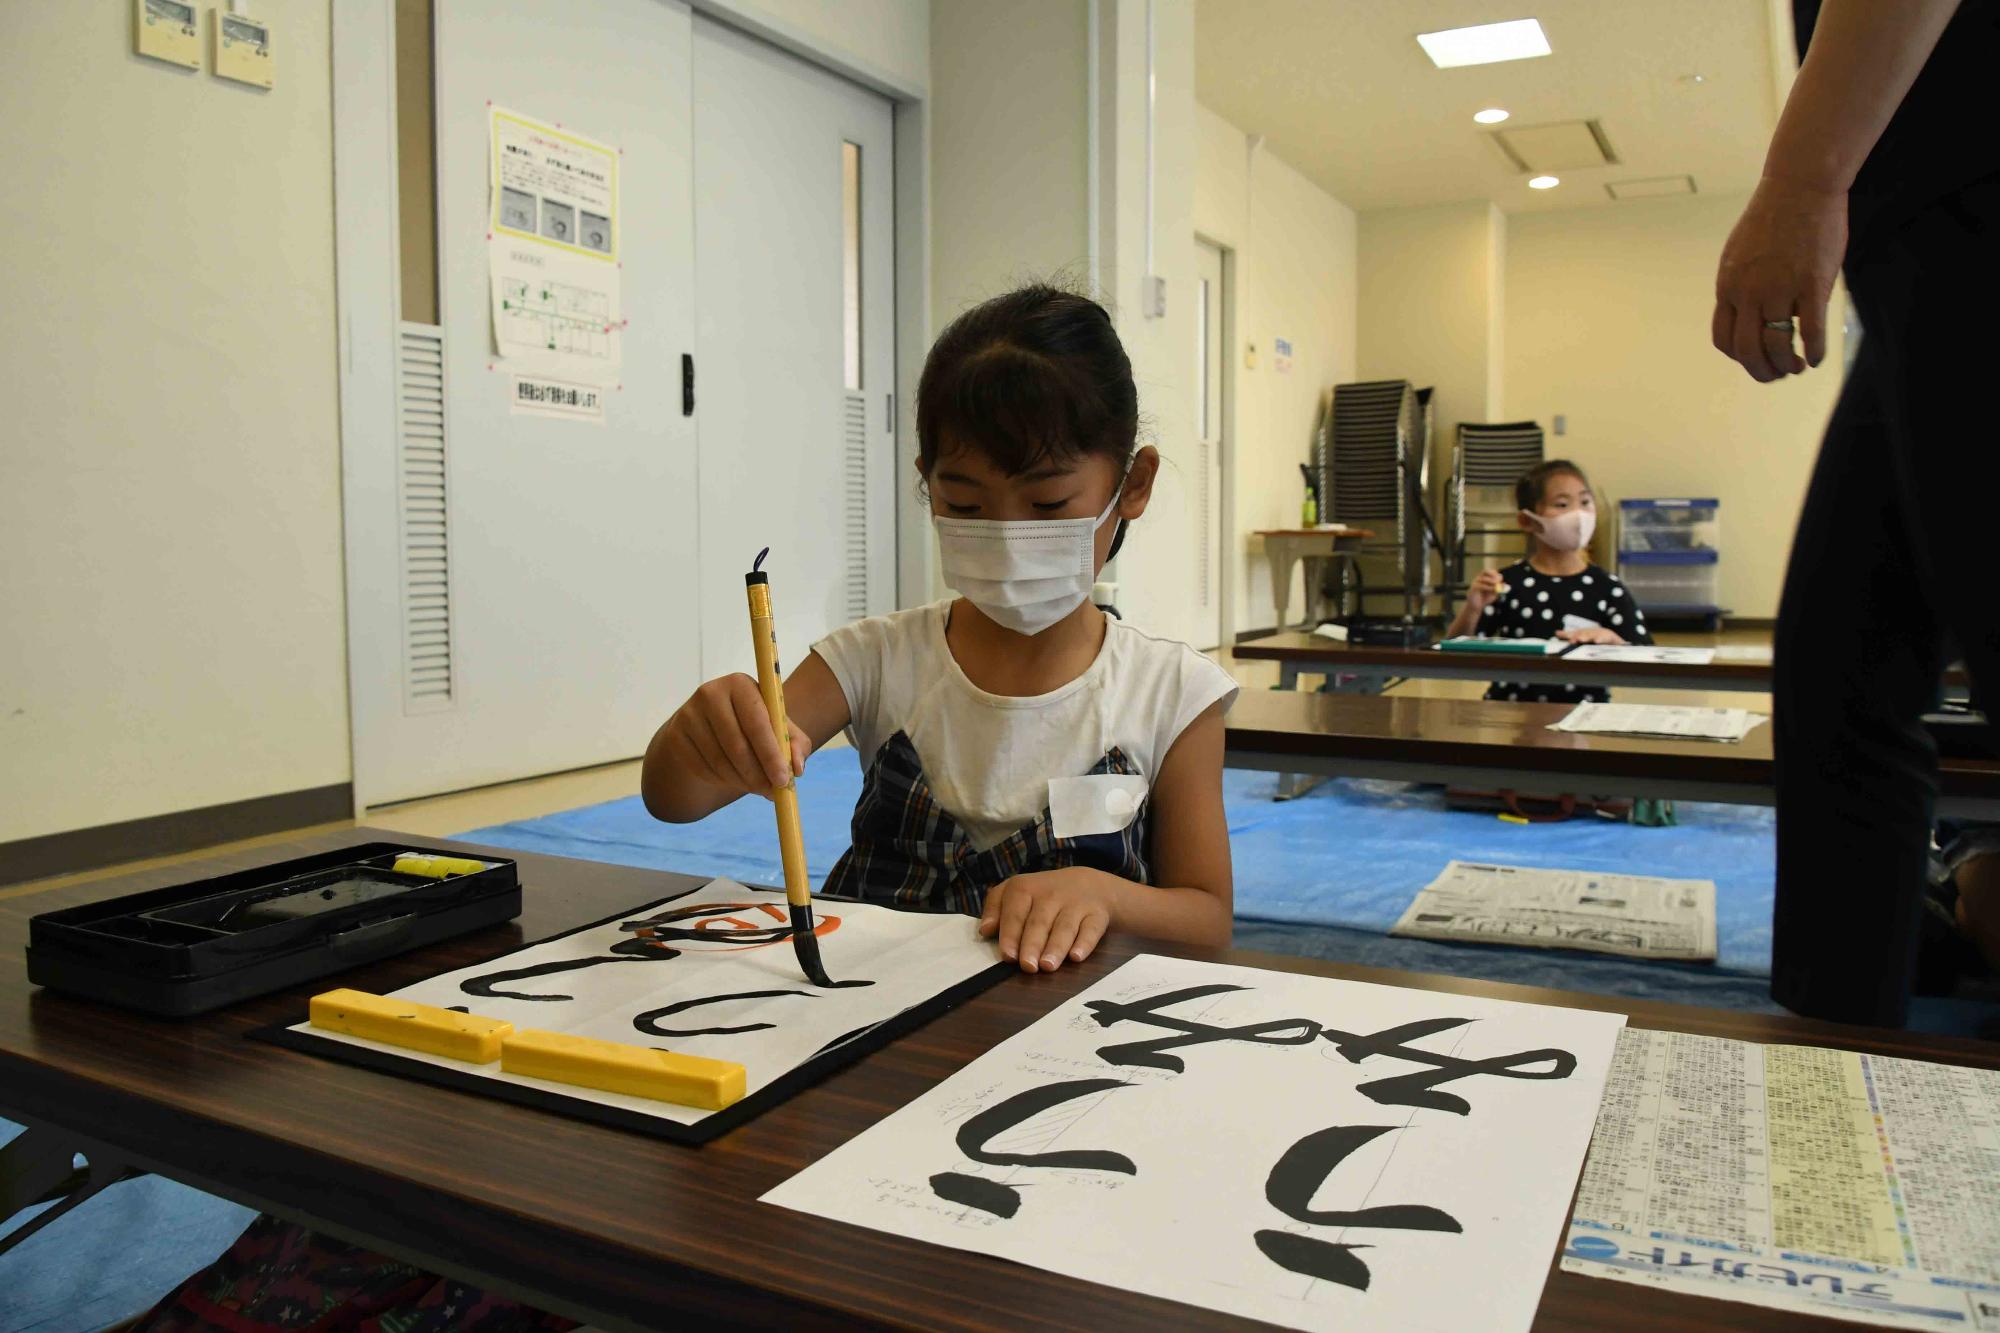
{"x": 1431, "y": 308}
{"x": 1009, "y": 148}
{"x": 1607, "y": 314}
{"x": 1294, "y": 246}
{"x": 171, "y": 619}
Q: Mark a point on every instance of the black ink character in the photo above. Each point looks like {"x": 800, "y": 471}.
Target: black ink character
{"x": 648, "y": 1022}
{"x": 973, "y": 1136}
{"x": 1151, "y": 1053}
{"x": 1290, "y": 1187}
{"x": 1413, "y": 1089}
{"x": 1416, "y": 1089}
{"x": 718, "y": 927}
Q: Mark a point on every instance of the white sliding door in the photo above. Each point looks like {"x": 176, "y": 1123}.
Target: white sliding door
{"x": 795, "y": 352}
{"x": 529, "y": 593}
{"x": 549, "y": 618}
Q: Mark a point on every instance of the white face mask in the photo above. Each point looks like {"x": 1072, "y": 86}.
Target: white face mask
{"x": 1567, "y": 531}
{"x": 1025, "y": 574}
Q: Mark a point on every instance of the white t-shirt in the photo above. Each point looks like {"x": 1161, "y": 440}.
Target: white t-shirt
{"x": 989, "y": 757}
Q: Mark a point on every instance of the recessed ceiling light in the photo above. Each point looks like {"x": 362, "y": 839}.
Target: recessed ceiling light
{"x": 1492, "y": 115}
{"x": 1486, "y": 44}
{"x": 1544, "y": 182}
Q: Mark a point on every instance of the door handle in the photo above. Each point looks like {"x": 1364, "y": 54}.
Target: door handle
{"x": 687, "y": 384}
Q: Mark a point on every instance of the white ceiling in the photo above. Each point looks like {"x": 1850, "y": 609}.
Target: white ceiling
{"x": 1341, "y": 90}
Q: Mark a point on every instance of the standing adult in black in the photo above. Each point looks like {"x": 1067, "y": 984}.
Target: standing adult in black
{"x": 1886, "y": 157}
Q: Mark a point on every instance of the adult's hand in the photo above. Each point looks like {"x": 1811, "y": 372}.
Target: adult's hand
{"x": 1779, "y": 264}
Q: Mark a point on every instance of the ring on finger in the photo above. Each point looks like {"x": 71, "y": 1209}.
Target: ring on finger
{"x": 1780, "y": 325}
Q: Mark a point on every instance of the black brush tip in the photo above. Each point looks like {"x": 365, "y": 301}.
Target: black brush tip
{"x": 806, "y": 945}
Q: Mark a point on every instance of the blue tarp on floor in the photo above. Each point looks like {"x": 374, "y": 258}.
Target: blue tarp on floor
{"x": 112, "y": 1256}
{"x": 1344, "y": 860}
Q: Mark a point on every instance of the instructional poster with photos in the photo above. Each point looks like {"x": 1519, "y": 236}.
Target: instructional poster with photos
{"x": 553, "y": 250}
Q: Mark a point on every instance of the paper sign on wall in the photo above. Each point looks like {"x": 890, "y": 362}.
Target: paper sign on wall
{"x": 554, "y": 235}
{"x": 1281, "y": 355}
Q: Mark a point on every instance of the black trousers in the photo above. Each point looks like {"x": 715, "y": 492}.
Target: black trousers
{"x": 1896, "y": 560}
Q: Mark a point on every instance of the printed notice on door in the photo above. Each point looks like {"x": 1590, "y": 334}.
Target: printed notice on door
{"x": 1853, "y": 1186}
{"x": 553, "y": 250}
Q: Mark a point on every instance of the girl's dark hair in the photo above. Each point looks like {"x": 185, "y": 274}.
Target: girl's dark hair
{"x": 1035, "y": 376}
{"x": 1534, "y": 483}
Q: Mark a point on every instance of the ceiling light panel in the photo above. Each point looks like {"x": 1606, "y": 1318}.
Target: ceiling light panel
{"x": 1487, "y": 44}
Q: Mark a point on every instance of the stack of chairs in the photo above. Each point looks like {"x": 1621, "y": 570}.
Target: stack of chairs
{"x": 1486, "y": 461}
{"x": 1372, "y": 461}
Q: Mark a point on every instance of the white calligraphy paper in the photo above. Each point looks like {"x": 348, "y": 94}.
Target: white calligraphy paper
{"x": 1311, "y": 1152}
{"x": 711, "y": 973}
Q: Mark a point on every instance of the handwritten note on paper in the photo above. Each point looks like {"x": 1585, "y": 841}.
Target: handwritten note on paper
{"x": 1295, "y": 1149}
{"x": 1797, "y": 1177}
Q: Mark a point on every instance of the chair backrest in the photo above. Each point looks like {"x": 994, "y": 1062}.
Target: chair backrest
{"x": 1488, "y": 458}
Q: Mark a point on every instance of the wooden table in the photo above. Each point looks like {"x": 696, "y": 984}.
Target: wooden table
{"x": 1285, "y": 547}
{"x": 1488, "y": 744}
{"x": 1370, "y": 666}
{"x": 623, "y": 1230}
{"x": 1365, "y": 668}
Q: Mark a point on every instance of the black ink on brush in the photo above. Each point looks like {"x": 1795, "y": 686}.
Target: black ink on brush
{"x": 805, "y": 942}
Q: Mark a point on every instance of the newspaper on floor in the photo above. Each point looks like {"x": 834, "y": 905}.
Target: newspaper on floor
{"x": 1662, "y": 721}
{"x": 1641, "y": 652}
{"x": 1854, "y": 1186}
{"x": 1638, "y": 916}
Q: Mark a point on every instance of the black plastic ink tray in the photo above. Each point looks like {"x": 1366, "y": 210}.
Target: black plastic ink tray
{"x": 195, "y": 947}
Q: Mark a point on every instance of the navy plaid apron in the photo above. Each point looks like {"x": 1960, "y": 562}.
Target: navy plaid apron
{"x": 910, "y": 853}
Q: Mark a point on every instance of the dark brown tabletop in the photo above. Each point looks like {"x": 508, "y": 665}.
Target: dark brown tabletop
{"x": 1485, "y": 743}
{"x": 622, "y": 1229}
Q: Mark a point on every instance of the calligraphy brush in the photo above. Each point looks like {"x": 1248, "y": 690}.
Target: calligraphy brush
{"x": 791, "y": 841}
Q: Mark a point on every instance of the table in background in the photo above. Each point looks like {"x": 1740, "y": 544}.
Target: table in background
{"x": 1366, "y": 668}
{"x": 1285, "y": 547}
{"x": 630, "y": 1232}
{"x": 1487, "y": 744}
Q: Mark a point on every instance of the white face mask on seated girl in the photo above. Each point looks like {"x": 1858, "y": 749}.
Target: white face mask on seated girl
{"x": 1025, "y": 574}
{"x": 1568, "y": 531}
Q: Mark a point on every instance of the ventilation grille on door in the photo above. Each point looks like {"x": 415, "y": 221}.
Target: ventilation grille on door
{"x": 854, "y": 495}
{"x": 420, "y": 478}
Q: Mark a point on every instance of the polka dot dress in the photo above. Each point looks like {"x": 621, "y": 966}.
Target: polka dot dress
{"x": 1534, "y": 608}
